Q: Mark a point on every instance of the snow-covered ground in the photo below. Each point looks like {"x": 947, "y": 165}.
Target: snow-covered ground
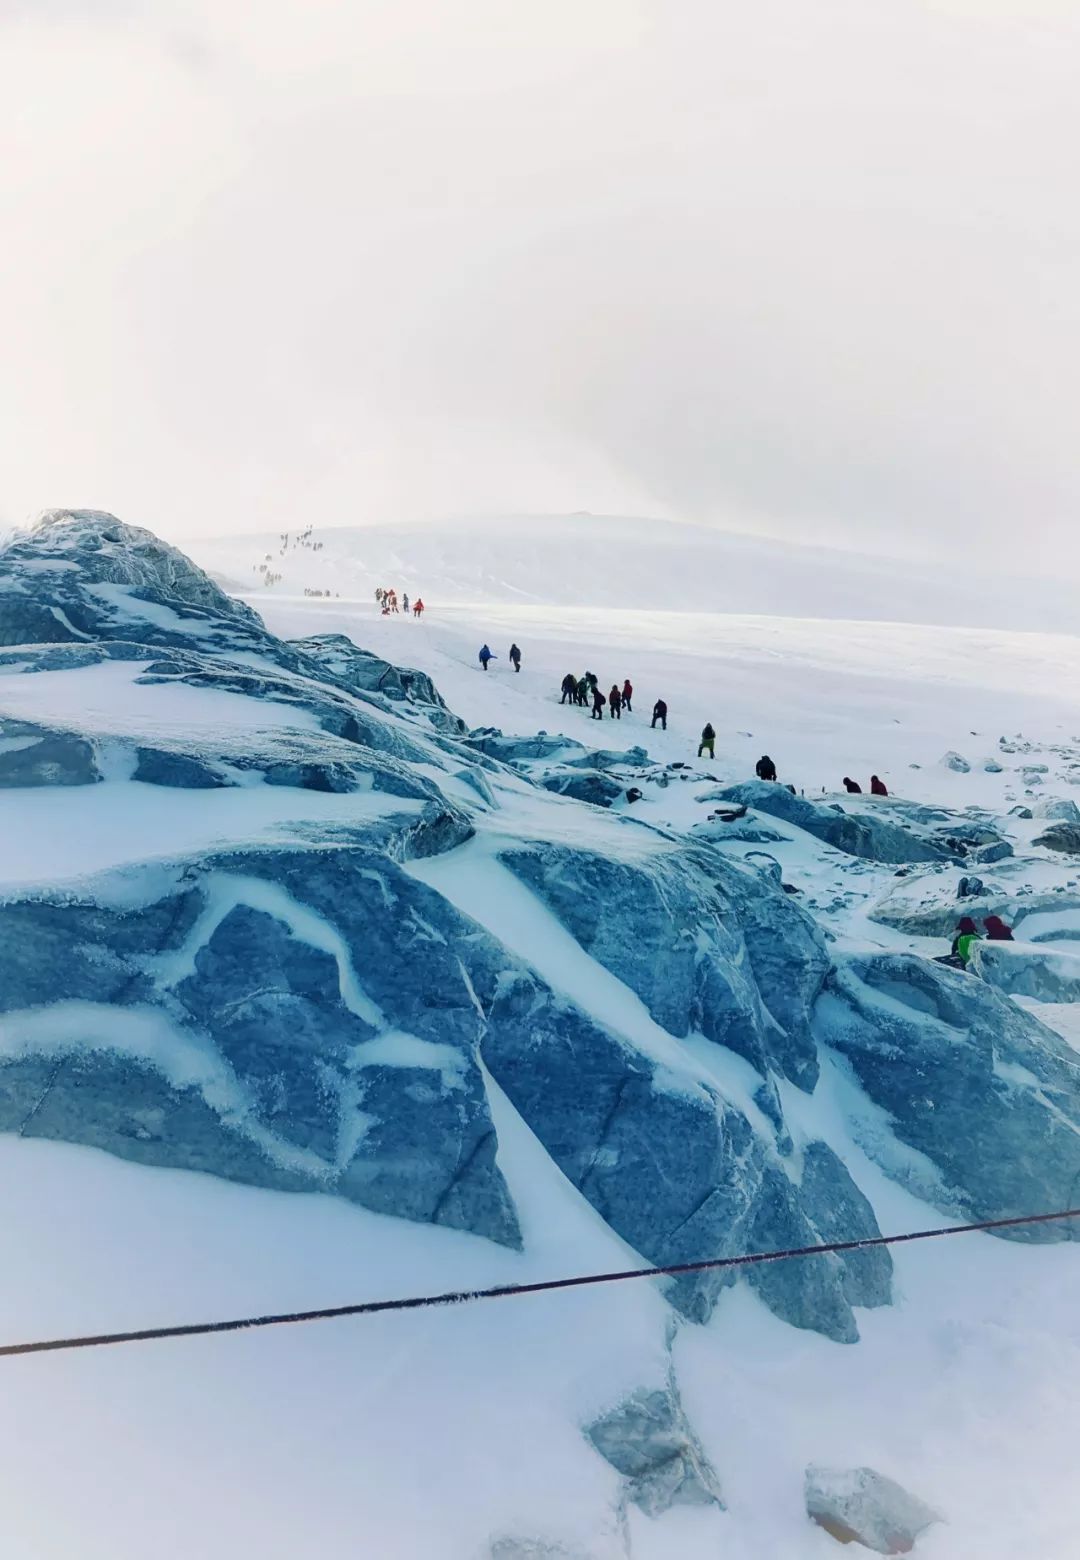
{"x": 420, "y": 1437}
{"x": 433, "y": 1435}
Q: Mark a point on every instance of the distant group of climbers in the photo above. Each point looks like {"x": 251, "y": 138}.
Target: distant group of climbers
{"x": 968, "y": 934}
{"x": 388, "y": 601}
{"x": 586, "y": 691}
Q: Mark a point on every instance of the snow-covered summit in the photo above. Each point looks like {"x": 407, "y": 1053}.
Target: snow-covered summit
{"x": 102, "y": 550}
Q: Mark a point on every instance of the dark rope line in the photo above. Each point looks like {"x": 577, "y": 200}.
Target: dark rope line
{"x": 510, "y": 1291}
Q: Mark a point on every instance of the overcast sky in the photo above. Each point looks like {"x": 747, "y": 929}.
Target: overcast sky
{"x": 806, "y": 267}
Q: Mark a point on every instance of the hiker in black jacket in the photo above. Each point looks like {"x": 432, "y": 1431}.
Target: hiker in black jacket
{"x": 659, "y": 713}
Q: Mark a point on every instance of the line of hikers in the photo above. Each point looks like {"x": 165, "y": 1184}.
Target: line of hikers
{"x": 388, "y": 601}
{"x": 585, "y": 691}
{"x": 968, "y": 934}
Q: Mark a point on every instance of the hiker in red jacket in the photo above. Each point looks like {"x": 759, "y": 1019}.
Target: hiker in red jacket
{"x": 614, "y": 699}
{"x": 877, "y": 787}
{"x": 996, "y": 930}
{"x": 627, "y": 695}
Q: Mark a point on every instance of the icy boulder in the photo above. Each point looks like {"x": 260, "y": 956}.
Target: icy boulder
{"x": 956, "y": 762}
{"x": 1063, "y": 837}
{"x": 987, "y": 1097}
{"x": 648, "y": 1440}
{"x": 81, "y": 574}
{"x": 928, "y": 907}
{"x": 32, "y": 755}
{"x": 256, "y": 1016}
{"x": 873, "y": 838}
{"x": 584, "y": 785}
{"x": 669, "y": 1163}
{"x": 319, "y": 708}
{"x": 1063, "y": 809}
{"x": 828, "y": 1206}
{"x": 1022, "y": 970}
{"x": 841, "y": 1213}
{"x": 340, "y": 661}
{"x": 728, "y": 955}
{"x": 861, "y": 1506}
{"x": 989, "y": 855}
{"x": 612, "y": 758}
{"x": 511, "y": 750}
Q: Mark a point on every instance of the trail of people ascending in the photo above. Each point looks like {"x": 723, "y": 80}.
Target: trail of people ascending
{"x": 585, "y": 692}
{"x": 514, "y": 1291}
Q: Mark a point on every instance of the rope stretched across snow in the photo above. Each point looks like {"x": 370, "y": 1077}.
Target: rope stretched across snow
{"x": 513, "y": 1291}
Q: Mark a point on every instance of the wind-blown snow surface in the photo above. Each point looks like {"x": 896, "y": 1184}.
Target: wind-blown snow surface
{"x": 595, "y": 561}
{"x": 453, "y": 1433}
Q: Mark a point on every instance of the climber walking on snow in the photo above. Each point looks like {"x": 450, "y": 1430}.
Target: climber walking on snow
{"x": 627, "y": 695}
{"x": 598, "y": 702}
{"x": 515, "y": 657}
{"x": 659, "y": 713}
{"x": 708, "y": 741}
{"x": 486, "y": 656}
{"x": 615, "y": 702}
{"x": 569, "y": 689}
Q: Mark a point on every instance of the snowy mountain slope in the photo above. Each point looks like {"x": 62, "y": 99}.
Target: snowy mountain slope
{"x": 329, "y": 942}
{"x": 600, "y": 561}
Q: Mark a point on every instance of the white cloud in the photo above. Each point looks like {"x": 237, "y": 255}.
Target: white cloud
{"x": 808, "y": 269}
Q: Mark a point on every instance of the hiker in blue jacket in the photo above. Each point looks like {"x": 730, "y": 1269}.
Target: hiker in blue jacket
{"x": 485, "y": 656}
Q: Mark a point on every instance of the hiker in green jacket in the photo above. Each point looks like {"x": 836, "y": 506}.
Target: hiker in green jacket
{"x": 967, "y": 935}
{"x": 708, "y": 741}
